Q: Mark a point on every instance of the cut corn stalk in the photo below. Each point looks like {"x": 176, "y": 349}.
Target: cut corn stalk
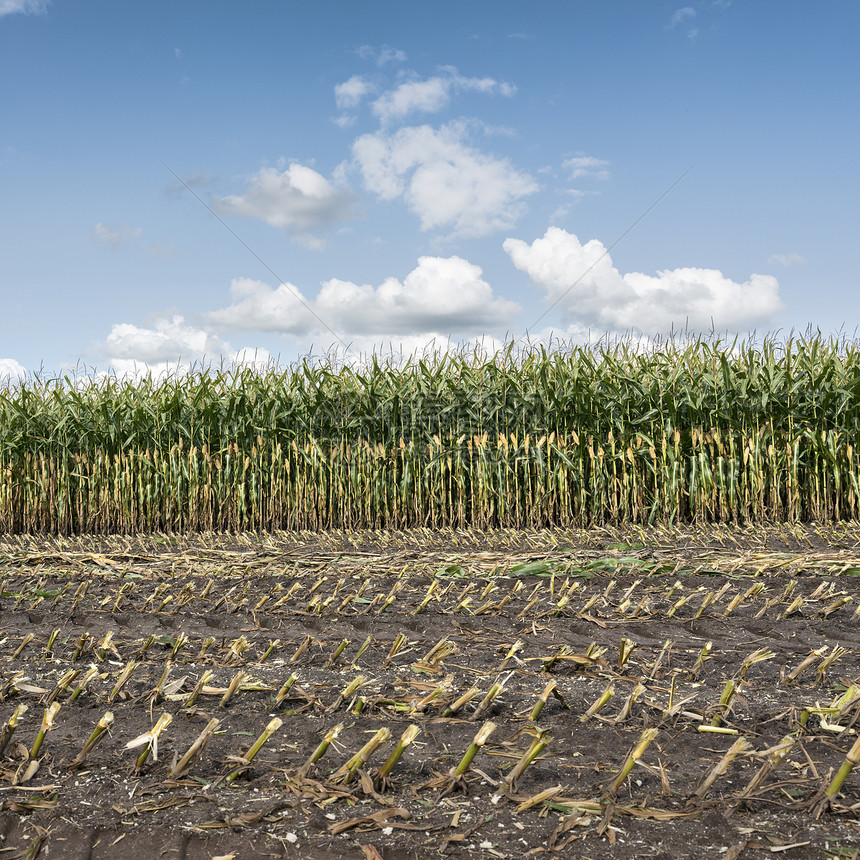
{"x": 10, "y": 726}
{"x": 645, "y": 740}
{"x": 235, "y": 683}
{"x": 481, "y": 738}
{"x": 739, "y": 747}
{"x": 28, "y": 638}
{"x": 305, "y": 644}
{"x": 396, "y": 647}
{"x": 330, "y": 737}
{"x": 149, "y": 740}
{"x": 852, "y": 759}
{"x": 284, "y": 691}
{"x": 336, "y": 654}
{"x": 804, "y": 664}
{"x": 47, "y": 724}
{"x": 202, "y": 681}
{"x": 599, "y": 703}
{"x": 101, "y": 728}
{"x": 249, "y": 756}
{"x": 492, "y": 694}
{"x": 538, "y": 745}
{"x": 122, "y": 680}
{"x": 461, "y": 702}
{"x": 406, "y": 739}
{"x": 772, "y": 759}
{"x": 348, "y": 692}
{"x": 725, "y": 704}
{"x": 346, "y": 772}
{"x": 542, "y": 700}
{"x": 62, "y": 685}
{"x": 91, "y": 673}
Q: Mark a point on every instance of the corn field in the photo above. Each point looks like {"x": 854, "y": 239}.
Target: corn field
{"x": 704, "y": 432}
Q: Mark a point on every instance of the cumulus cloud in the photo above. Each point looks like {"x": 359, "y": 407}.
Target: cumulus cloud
{"x": 171, "y": 346}
{"x": 433, "y": 94}
{"x": 592, "y": 292}
{"x": 256, "y": 306}
{"x": 26, "y": 7}
{"x": 298, "y": 200}
{"x": 169, "y": 341}
{"x": 786, "y": 260}
{"x": 114, "y": 236}
{"x": 444, "y": 180}
{"x": 441, "y": 294}
{"x": 11, "y": 370}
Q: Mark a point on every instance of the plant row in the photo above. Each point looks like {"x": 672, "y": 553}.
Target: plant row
{"x": 706, "y": 431}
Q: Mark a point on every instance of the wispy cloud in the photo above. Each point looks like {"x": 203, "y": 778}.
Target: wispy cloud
{"x": 194, "y": 180}
{"x": 430, "y": 95}
{"x": 684, "y": 18}
{"x": 581, "y": 166}
{"x": 786, "y": 260}
{"x": 381, "y": 55}
{"x": 25, "y": 7}
{"x": 114, "y": 236}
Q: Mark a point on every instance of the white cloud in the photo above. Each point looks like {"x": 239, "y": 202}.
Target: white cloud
{"x": 114, "y": 236}
{"x": 586, "y": 165}
{"x": 298, "y": 200}
{"x": 444, "y": 180}
{"x": 591, "y": 291}
{"x": 786, "y": 260}
{"x": 168, "y": 342}
{"x": 26, "y": 7}
{"x": 439, "y": 295}
{"x": 11, "y": 370}
{"x": 683, "y": 17}
{"x": 433, "y": 94}
{"x": 381, "y": 56}
{"x": 427, "y": 96}
{"x": 350, "y": 93}
{"x": 256, "y": 306}
{"x": 685, "y": 13}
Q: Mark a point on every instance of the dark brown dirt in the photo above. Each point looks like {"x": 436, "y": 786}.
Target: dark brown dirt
{"x": 570, "y": 598}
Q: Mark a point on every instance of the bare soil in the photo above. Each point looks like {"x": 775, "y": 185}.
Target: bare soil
{"x": 527, "y": 610}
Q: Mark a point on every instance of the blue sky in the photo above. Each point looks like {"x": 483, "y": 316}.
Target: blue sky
{"x": 404, "y": 173}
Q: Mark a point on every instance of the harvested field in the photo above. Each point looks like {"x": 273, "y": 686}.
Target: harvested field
{"x": 635, "y": 693}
